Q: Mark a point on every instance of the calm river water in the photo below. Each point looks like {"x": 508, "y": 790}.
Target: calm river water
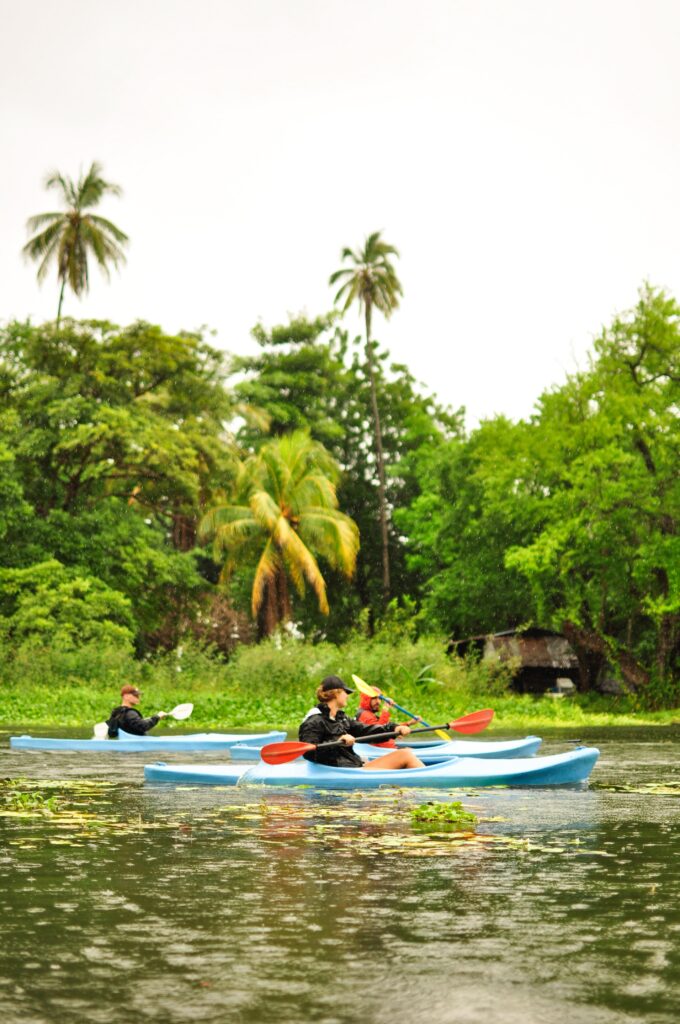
{"x": 124, "y": 902}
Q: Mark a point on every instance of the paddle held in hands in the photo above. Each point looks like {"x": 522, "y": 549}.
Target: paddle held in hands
{"x": 363, "y": 687}
{"x": 281, "y": 753}
{"x": 180, "y": 712}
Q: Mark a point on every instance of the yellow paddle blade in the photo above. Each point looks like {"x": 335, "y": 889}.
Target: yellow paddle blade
{"x": 363, "y": 687}
{"x": 444, "y": 735}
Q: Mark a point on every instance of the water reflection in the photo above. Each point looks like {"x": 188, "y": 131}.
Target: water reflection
{"x": 244, "y": 906}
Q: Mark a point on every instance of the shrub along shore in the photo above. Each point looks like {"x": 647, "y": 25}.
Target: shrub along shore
{"x": 272, "y": 685}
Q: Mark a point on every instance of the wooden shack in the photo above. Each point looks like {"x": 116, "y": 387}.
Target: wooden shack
{"x": 544, "y": 656}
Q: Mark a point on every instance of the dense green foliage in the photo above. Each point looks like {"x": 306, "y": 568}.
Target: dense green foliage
{"x": 570, "y": 520}
{"x": 115, "y": 443}
{"x": 308, "y": 373}
{"x": 109, "y": 438}
{"x": 605, "y": 563}
{"x": 272, "y": 685}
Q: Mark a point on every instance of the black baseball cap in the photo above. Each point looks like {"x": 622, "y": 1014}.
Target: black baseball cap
{"x": 334, "y": 683}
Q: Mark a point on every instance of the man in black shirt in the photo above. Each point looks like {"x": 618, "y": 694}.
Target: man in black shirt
{"x": 128, "y": 718}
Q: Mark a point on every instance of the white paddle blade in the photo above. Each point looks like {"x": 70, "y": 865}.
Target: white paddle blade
{"x": 181, "y": 712}
{"x": 101, "y": 731}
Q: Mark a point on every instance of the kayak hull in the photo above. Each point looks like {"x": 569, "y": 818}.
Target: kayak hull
{"x": 430, "y": 754}
{"x": 129, "y": 744}
{"x": 556, "y": 770}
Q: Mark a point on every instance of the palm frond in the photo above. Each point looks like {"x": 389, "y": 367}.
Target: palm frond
{"x": 315, "y": 489}
{"x": 218, "y": 516}
{"x": 294, "y": 570}
{"x": 265, "y": 509}
{"x": 107, "y": 227}
{"x": 233, "y": 536}
{"x": 43, "y": 268}
{"x": 265, "y": 573}
{"x": 92, "y": 187}
{"x": 33, "y": 223}
{"x": 42, "y": 246}
{"x": 294, "y": 549}
{"x": 55, "y": 180}
{"x": 333, "y": 535}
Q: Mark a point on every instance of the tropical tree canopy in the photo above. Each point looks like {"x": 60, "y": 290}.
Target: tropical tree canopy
{"x": 110, "y": 440}
{"x": 66, "y": 238}
{"x": 370, "y": 279}
{"x": 284, "y": 515}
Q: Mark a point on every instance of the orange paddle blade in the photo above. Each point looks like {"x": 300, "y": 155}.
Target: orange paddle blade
{"x": 280, "y": 753}
{"x": 474, "y": 722}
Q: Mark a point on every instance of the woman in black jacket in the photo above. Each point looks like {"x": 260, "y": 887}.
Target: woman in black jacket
{"x": 328, "y": 722}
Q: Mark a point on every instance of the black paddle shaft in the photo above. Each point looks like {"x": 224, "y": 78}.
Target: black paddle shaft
{"x": 380, "y": 736}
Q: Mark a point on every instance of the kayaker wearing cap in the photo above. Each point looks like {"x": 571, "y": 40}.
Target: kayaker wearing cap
{"x": 128, "y": 718}
{"x": 327, "y": 722}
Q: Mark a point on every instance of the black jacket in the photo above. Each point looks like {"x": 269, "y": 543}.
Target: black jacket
{"x": 129, "y": 720}
{"x": 318, "y": 727}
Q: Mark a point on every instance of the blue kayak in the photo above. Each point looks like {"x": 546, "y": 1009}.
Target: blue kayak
{"x": 129, "y": 744}
{"x": 556, "y": 770}
{"x": 430, "y": 753}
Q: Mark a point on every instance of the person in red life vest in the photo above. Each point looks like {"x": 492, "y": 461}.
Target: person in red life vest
{"x": 370, "y": 713}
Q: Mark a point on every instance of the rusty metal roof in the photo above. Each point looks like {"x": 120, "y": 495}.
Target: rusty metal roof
{"x": 535, "y": 648}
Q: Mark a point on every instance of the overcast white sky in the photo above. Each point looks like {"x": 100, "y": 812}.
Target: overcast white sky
{"x": 523, "y": 155}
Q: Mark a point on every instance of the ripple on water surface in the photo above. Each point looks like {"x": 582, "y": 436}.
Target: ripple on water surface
{"x": 132, "y": 902}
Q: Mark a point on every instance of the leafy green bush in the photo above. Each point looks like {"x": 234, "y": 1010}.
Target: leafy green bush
{"x": 272, "y": 685}
{"x": 50, "y": 604}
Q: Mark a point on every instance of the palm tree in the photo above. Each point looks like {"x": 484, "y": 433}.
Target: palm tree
{"x": 285, "y": 515}
{"x": 68, "y": 237}
{"x": 371, "y": 281}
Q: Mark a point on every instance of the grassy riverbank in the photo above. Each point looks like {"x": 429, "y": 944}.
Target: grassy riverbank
{"x": 272, "y": 685}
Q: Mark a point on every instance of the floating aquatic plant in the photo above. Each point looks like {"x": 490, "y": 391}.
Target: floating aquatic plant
{"x": 448, "y": 816}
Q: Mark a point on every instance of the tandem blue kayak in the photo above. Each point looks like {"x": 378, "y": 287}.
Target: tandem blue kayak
{"x": 129, "y": 744}
{"x": 430, "y": 753}
{"x": 556, "y": 770}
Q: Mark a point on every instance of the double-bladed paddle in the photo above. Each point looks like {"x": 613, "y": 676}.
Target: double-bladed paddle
{"x": 281, "y": 753}
{"x": 369, "y": 691}
{"x": 180, "y": 712}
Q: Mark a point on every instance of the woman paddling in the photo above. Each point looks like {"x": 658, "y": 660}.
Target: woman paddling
{"x": 328, "y": 722}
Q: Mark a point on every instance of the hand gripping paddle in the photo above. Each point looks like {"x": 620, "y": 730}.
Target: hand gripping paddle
{"x": 281, "y": 753}
{"x": 180, "y": 712}
{"x": 363, "y": 687}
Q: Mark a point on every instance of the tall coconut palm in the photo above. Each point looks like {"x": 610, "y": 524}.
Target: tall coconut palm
{"x": 67, "y": 238}
{"x": 284, "y": 515}
{"x": 371, "y": 281}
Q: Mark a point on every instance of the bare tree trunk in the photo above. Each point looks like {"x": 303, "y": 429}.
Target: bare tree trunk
{"x": 380, "y": 461}
{"x": 667, "y": 641}
{"x": 183, "y": 532}
{"x": 592, "y": 648}
{"x": 284, "y": 609}
{"x": 267, "y": 614}
{"x": 61, "y": 299}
